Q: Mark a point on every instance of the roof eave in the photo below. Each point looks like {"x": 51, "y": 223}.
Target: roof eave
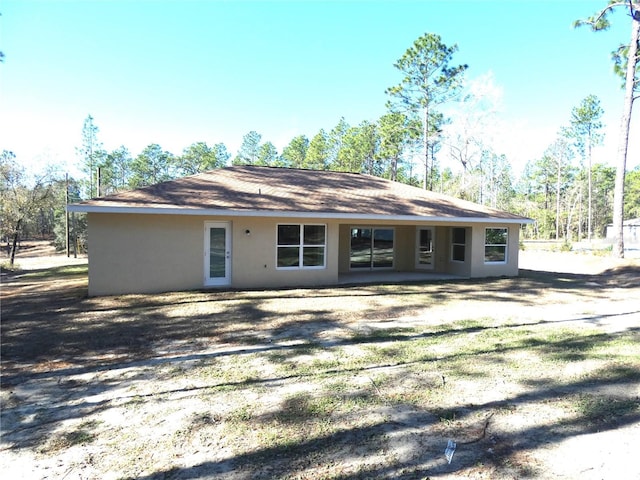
{"x": 80, "y": 208}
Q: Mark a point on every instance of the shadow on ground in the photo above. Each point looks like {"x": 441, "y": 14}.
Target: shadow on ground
{"x": 51, "y": 332}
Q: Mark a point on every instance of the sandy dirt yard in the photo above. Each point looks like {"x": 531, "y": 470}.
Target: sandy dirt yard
{"x": 532, "y": 377}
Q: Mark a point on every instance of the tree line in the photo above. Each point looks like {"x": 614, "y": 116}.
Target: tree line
{"x": 417, "y": 141}
{"x": 569, "y": 197}
{"x": 369, "y": 147}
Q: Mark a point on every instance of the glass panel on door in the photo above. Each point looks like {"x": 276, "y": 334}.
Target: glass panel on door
{"x": 382, "y": 248}
{"x": 372, "y": 248}
{"x": 425, "y": 247}
{"x": 360, "y": 248}
{"x": 217, "y": 252}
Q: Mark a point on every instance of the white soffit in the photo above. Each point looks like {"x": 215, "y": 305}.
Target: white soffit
{"x": 79, "y": 208}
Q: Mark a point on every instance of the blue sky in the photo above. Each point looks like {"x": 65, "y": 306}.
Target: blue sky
{"x": 178, "y": 72}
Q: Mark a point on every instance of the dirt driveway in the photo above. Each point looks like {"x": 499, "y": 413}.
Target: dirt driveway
{"x": 533, "y": 377}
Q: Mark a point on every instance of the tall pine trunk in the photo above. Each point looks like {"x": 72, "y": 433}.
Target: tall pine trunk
{"x": 425, "y": 146}
{"x": 558, "y": 199}
{"x": 590, "y": 186}
{"x": 621, "y": 160}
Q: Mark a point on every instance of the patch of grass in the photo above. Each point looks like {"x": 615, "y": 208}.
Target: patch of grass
{"x": 621, "y": 345}
{"x": 305, "y": 419}
{"x": 80, "y": 436}
{"x": 57, "y": 272}
{"x": 321, "y": 367}
{"x": 310, "y": 360}
{"x": 287, "y": 354}
{"x": 506, "y": 409}
{"x": 614, "y": 373}
{"x": 382, "y": 335}
{"x": 451, "y": 345}
{"x": 203, "y": 419}
{"x": 244, "y": 413}
{"x": 175, "y": 371}
{"x": 338, "y": 386}
{"x": 7, "y": 267}
{"x": 360, "y": 400}
{"x": 571, "y": 345}
{"x": 274, "y": 436}
{"x": 227, "y": 373}
{"x": 300, "y": 418}
{"x": 402, "y": 350}
{"x": 470, "y": 324}
{"x": 447, "y": 415}
{"x": 303, "y": 407}
{"x": 602, "y": 252}
{"x": 565, "y": 247}
{"x": 599, "y": 409}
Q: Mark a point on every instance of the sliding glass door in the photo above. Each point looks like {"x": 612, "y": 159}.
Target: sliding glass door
{"x": 371, "y": 248}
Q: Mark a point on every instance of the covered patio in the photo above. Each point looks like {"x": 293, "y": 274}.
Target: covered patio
{"x": 352, "y": 278}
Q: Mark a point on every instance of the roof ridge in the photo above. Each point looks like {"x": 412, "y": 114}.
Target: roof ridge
{"x": 274, "y": 167}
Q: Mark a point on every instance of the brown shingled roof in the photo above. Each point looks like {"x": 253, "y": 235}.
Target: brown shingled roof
{"x": 270, "y": 190}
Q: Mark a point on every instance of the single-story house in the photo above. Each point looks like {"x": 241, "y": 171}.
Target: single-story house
{"x": 265, "y": 227}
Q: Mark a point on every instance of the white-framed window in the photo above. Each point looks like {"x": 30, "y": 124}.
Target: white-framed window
{"x": 425, "y": 248}
{"x": 495, "y": 245}
{"x": 301, "y": 246}
{"x": 458, "y": 244}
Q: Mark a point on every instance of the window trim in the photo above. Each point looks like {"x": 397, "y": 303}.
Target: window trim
{"x": 301, "y": 245}
{"x": 453, "y": 244}
{"x": 505, "y": 245}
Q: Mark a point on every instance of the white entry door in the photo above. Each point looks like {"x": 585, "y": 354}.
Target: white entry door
{"x": 217, "y": 253}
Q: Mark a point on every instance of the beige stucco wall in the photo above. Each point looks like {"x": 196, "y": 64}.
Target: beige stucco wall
{"x": 405, "y": 246}
{"x": 254, "y": 255}
{"x": 462, "y": 269}
{"x": 481, "y": 269}
{"x": 155, "y": 253}
{"x": 344, "y": 247}
{"x": 144, "y": 253}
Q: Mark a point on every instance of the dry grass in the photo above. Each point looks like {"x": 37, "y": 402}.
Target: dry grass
{"x": 358, "y": 382}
